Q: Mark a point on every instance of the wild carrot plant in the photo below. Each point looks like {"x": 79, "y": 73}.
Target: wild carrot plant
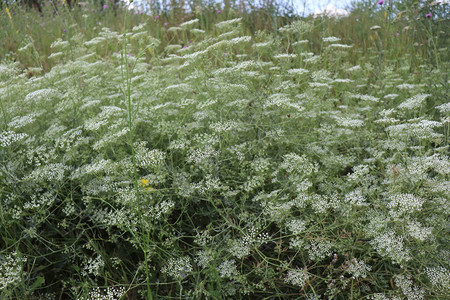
{"x": 219, "y": 162}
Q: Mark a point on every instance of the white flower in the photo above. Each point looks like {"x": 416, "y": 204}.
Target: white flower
{"x": 93, "y": 266}
{"x": 411, "y": 291}
{"x": 439, "y": 277}
{"x": 11, "y": 272}
{"x": 297, "y": 277}
{"x": 228, "y": 269}
{"x": 414, "y": 102}
{"x": 296, "y": 226}
{"x": 189, "y": 23}
{"x": 227, "y": 23}
{"x": 391, "y": 245}
{"x": 178, "y": 268}
{"x": 9, "y": 137}
{"x": 358, "y": 268}
{"x": 331, "y": 39}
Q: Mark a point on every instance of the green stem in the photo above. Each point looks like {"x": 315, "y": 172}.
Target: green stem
{"x": 127, "y": 89}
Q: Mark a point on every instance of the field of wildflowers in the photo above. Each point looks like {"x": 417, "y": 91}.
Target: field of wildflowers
{"x": 212, "y": 158}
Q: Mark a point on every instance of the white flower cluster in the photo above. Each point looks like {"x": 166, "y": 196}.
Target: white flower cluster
{"x": 228, "y": 269}
{"x": 444, "y": 108}
{"x": 421, "y": 130}
{"x": 439, "y": 277}
{"x": 343, "y": 80}
{"x": 149, "y": 158}
{"x": 101, "y": 165}
{"x": 203, "y": 239}
{"x": 110, "y": 293}
{"x": 297, "y": 277}
{"x": 122, "y": 218}
{"x": 278, "y": 100}
{"x": 356, "y": 198}
{"x": 161, "y": 209}
{"x": 296, "y": 164}
{"x": 318, "y": 250}
{"x": 437, "y": 162}
{"x": 299, "y": 27}
{"x": 285, "y": 56}
{"x": 204, "y": 258}
{"x": 296, "y": 226}
{"x": 228, "y": 23}
{"x": 199, "y": 156}
{"x": 46, "y": 199}
{"x": 93, "y": 266}
{"x": 225, "y": 126}
{"x": 297, "y": 71}
{"x": 240, "y": 39}
{"x": 342, "y": 46}
{"x": 11, "y": 272}
{"x": 178, "y": 268}
{"x": 109, "y": 138}
{"x": 417, "y": 231}
{"x": 241, "y": 248}
{"x": 262, "y": 45}
{"x": 56, "y": 55}
{"x": 414, "y": 102}
{"x": 406, "y": 86}
{"x": 189, "y": 23}
{"x": 95, "y": 41}
{"x": 9, "y": 137}
{"x": 347, "y": 122}
{"x": 359, "y": 172}
{"x": 402, "y": 204}
{"x": 364, "y": 97}
{"x": 68, "y": 139}
{"x": 42, "y": 94}
{"x": 411, "y": 291}
{"x": 331, "y": 39}
{"x": 390, "y": 96}
{"x": 50, "y": 173}
{"x": 354, "y": 68}
{"x": 296, "y": 43}
{"x": 358, "y": 269}
{"x": 380, "y": 296}
{"x": 19, "y": 122}
{"x": 197, "y": 31}
{"x": 391, "y": 245}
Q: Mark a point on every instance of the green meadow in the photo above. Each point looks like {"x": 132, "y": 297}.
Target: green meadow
{"x": 224, "y": 151}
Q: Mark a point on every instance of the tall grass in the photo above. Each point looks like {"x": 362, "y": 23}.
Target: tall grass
{"x": 218, "y": 158}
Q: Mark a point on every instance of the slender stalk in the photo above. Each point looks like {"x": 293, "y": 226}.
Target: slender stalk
{"x": 127, "y": 79}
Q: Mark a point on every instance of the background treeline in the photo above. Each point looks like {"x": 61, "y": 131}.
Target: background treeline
{"x": 404, "y": 24}
{"x": 165, "y": 6}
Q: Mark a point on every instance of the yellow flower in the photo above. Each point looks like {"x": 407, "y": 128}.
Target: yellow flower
{"x": 143, "y": 182}
{"x": 8, "y": 13}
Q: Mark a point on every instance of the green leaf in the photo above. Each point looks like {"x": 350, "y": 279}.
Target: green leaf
{"x": 37, "y": 283}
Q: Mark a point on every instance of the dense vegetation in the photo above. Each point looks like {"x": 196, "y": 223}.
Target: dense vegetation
{"x": 224, "y": 154}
